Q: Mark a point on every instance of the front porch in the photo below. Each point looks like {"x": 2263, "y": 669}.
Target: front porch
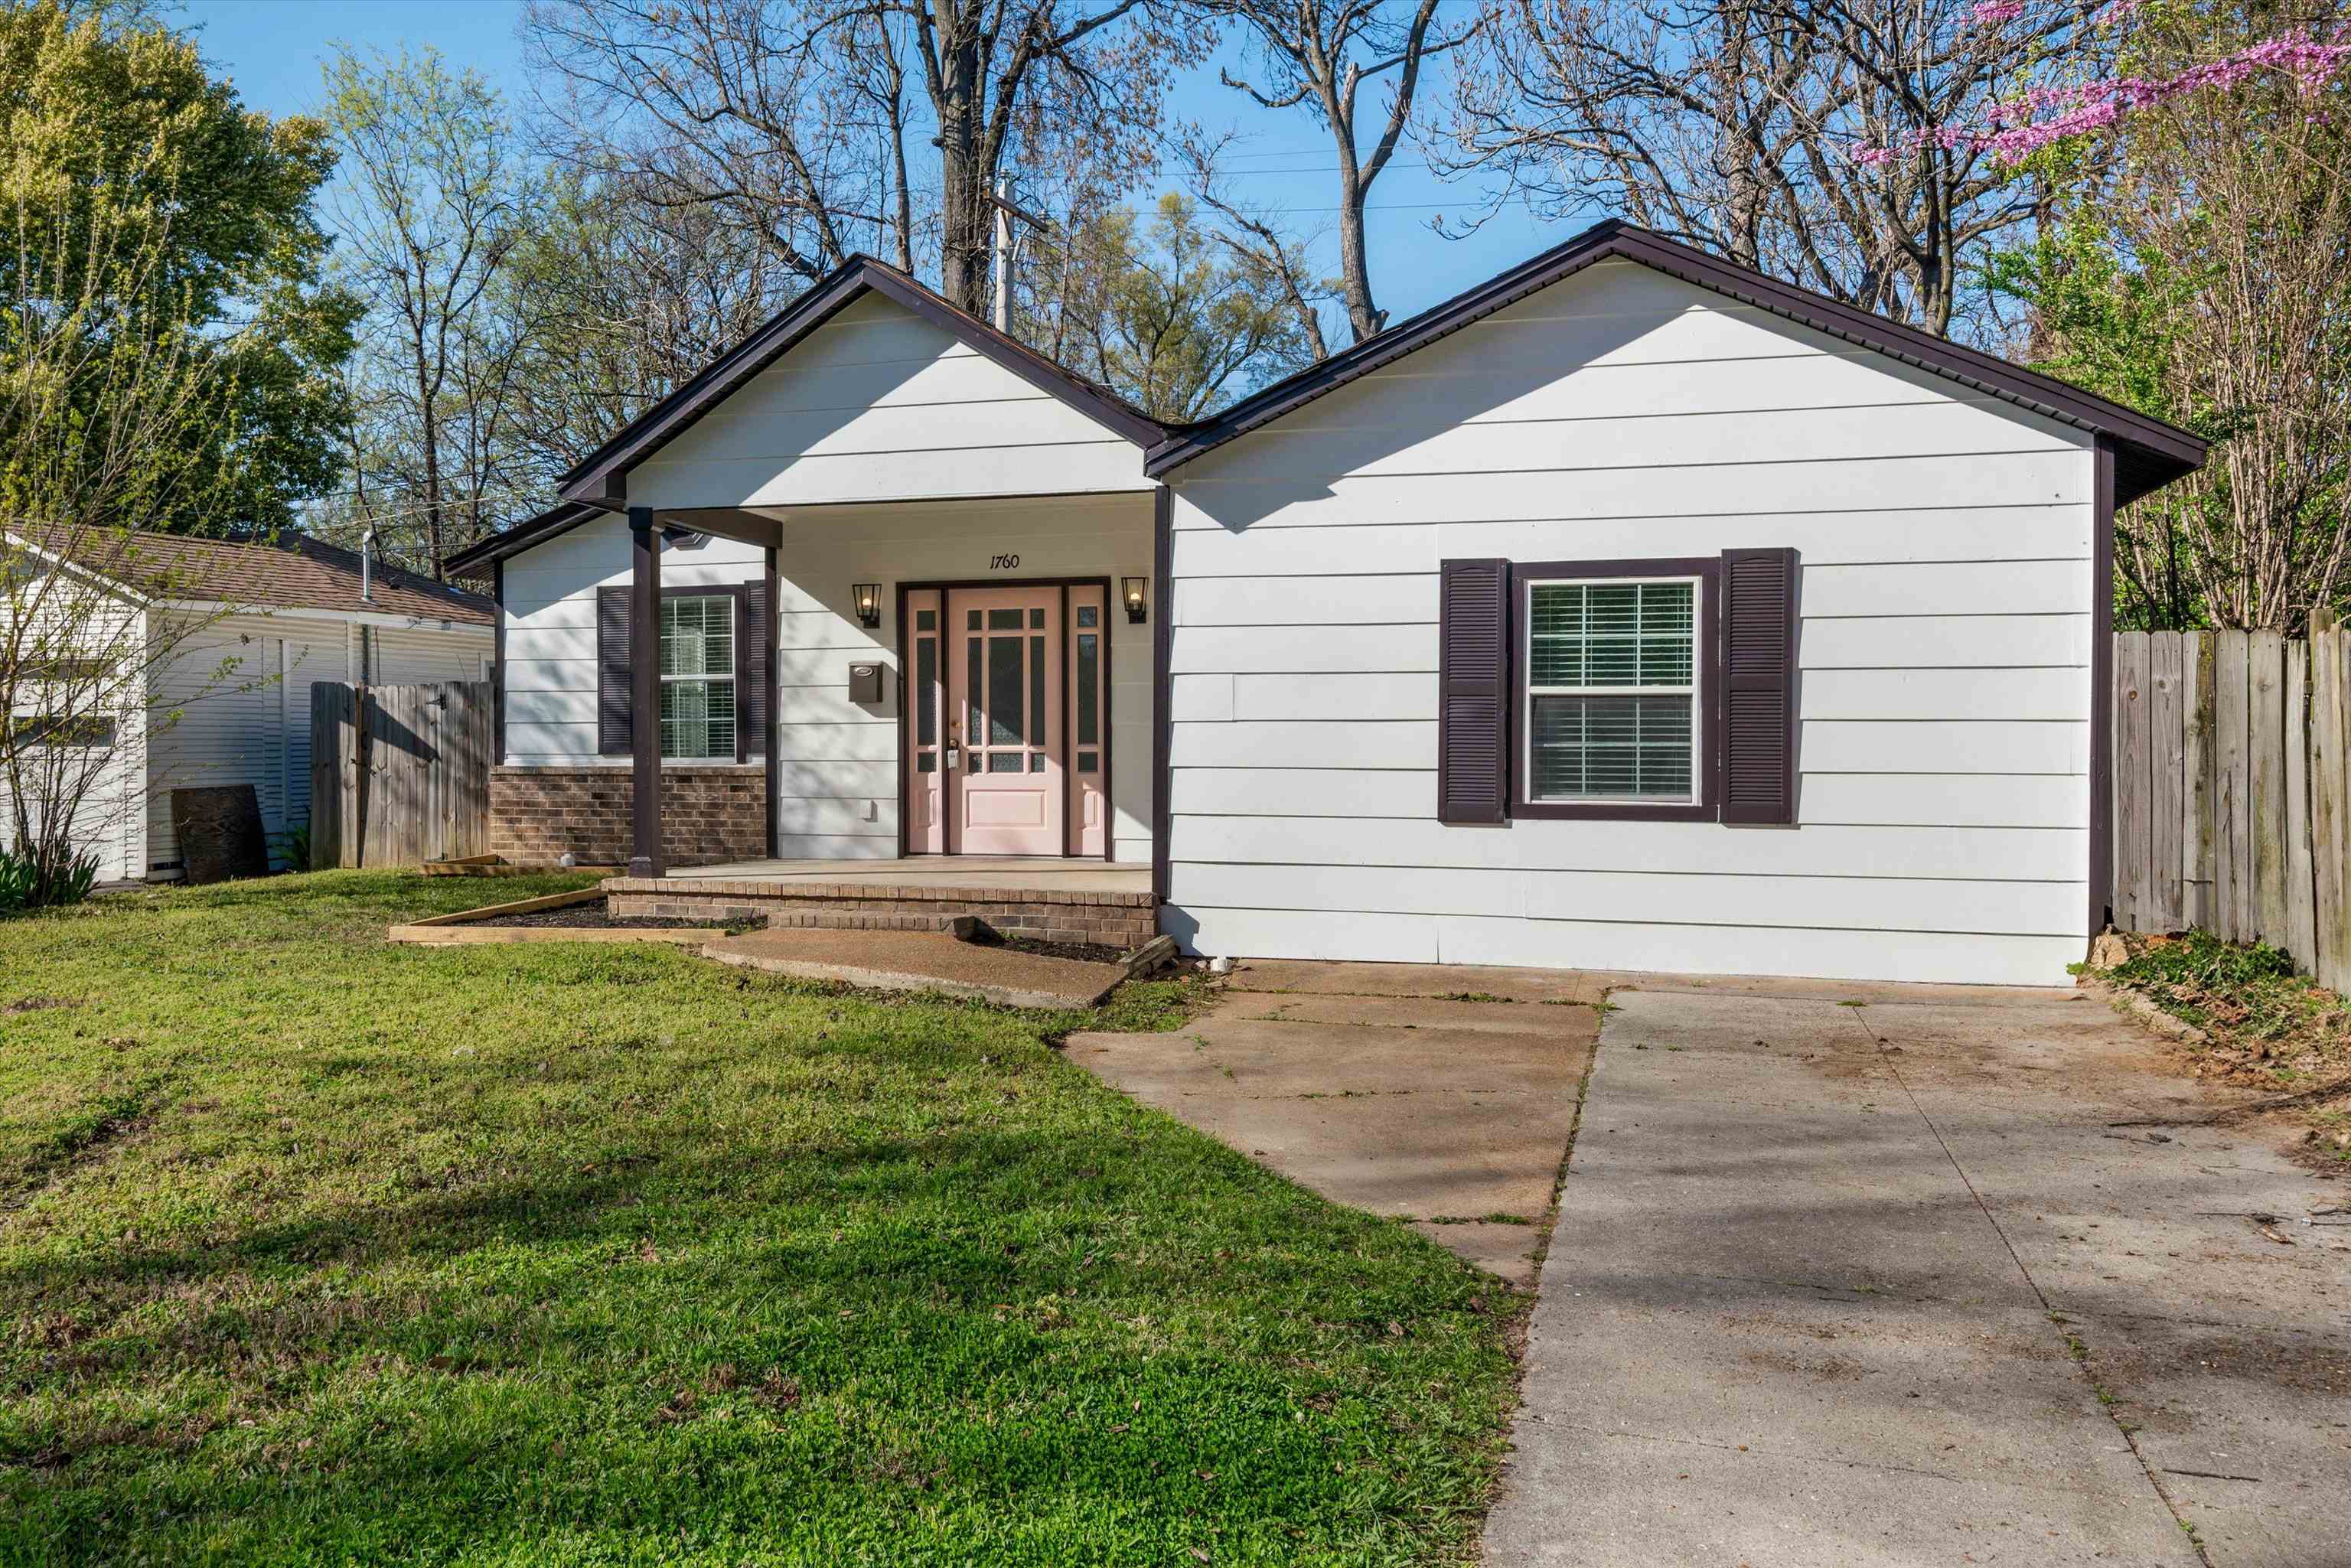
{"x": 1045, "y": 899}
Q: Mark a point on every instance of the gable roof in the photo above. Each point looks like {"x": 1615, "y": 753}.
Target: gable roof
{"x": 2149, "y": 453}
{"x": 602, "y": 477}
{"x": 291, "y": 572}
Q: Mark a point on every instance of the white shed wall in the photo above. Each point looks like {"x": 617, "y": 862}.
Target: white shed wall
{"x": 1944, "y": 651}
{"x": 233, "y": 707}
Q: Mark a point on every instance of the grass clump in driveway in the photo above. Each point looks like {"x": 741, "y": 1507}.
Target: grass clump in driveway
{"x": 315, "y": 1249}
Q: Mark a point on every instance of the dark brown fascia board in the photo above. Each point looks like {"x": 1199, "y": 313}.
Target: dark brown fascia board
{"x": 2166, "y": 451}
{"x": 532, "y": 531}
{"x": 601, "y": 477}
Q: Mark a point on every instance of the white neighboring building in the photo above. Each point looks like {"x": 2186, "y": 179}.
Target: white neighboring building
{"x": 250, "y": 628}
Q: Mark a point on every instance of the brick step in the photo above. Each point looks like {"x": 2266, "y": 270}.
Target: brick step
{"x": 964, "y": 925}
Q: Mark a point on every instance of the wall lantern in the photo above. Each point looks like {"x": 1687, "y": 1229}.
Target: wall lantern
{"x": 1132, "y": 587}
{"x": 868, "y": 598}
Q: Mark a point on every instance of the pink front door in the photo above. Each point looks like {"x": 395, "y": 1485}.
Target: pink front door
{"x": 1005, "y": 789}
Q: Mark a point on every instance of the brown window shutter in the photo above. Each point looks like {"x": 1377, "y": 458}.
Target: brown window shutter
{"x": 1473, "y": 691}
{"x": 613, "y": 737}
{"x": 1759, "y": 668}
{"x": 753, "y": 685}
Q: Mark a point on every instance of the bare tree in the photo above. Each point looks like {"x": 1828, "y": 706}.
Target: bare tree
{"x": 773, "y": 107}
{"x": 1256, "y": 238}
{"x": 1733, "y": 125}
{"x": 437, "y": 195}
{"x": 1318, "y": 53}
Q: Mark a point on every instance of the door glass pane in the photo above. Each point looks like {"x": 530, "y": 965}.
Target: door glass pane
{"x": 1008, "y": 762}
{"x": 974, "y": 687}
{"x": 928, "y": 762}
{"x": 1611, "y": 746}
{"x": 927, "y": 620}
{"x": 1036, "y": 620}
{"x": 1004, "y": 690}
{"x": 926, "y": 676}
{"x": 1004, "y": 620}
{"x": 1040, "y": 732}
{"x": 971, "y": 621}
{"x": 1089, "y": 682}
{"x": 1089, "y": 762}
{"x": 1036, "y": 762}
{"x": 1086, "y": 614}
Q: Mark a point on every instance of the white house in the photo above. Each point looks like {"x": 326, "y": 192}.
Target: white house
{"x": 1629, "y": 611}
{"x": 238, "y": 633}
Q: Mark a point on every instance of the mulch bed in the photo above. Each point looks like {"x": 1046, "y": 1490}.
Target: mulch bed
{"x": 1084, "y": 952}
{"x": 599, "y": 918}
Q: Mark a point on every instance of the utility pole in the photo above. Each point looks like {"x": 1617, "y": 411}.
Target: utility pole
{"x": 1000, "y": 260}
{"x": 1003, "y": 250}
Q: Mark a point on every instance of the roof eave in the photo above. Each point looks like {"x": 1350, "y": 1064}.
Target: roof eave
{"x": 2161, "y": 447}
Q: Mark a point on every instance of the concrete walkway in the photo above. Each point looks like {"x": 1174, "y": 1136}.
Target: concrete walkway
{"x": 1387, "y": 1087}
{"x": 1882, "y": 1284}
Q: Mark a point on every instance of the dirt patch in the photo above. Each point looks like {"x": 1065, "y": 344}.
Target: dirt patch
{"x": 38, "y": 1004}
{"x": 1083, "y": 952}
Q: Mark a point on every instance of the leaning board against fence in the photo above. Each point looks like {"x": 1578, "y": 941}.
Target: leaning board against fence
{"x": 400, "y": 775}
{"x": 2232, "y": 805}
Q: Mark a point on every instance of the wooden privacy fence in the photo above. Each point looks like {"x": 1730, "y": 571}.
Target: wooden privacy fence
{"x": 2232, "y": 803}
{"x": 400, "y": 775}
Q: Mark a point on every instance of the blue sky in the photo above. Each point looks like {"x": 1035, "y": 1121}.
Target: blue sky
{"x": 272, "y": 49}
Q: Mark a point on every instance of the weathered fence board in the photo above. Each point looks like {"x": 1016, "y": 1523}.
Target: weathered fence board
{"x": 2232, "y": 790}
{"x": 400, "y": 775}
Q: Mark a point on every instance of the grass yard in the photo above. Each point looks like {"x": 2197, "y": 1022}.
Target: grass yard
{"x": 317, "y": 1249}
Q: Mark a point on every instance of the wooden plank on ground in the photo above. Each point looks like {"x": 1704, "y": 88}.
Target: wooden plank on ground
{"x": 2167, "y": 743}
{"x": 2232, "y": 822}
{"x": 2134, "y": 849}
{"x": 2265, "y": 715}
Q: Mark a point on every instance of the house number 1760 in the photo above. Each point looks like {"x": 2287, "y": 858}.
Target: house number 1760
{"x": 1002, "y": 562}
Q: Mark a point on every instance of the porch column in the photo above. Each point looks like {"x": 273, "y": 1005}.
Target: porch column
{"x": 645, "y": 692}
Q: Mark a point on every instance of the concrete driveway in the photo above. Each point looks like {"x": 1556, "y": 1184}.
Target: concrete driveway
{"x": 1841, "y": 1274}
{"x": 1444, "y": 1097}
{"x": 1887, "y": 1284}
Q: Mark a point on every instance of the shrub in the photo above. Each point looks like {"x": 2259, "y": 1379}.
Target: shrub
{"x": 23, "y": 887}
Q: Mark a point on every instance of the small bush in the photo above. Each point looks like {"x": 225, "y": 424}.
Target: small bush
{"x": 24, "y": 884}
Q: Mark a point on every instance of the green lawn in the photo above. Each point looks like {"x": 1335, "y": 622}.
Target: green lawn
{"x": 313, "y": 1249}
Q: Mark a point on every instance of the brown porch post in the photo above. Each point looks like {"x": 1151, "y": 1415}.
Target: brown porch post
{"x": 645, "y": 692}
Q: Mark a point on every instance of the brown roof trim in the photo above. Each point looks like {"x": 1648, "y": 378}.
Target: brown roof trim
{"x": 2155, "y": 453}
{"x": 602, "y": 477}
{"x": 531, "y": 531}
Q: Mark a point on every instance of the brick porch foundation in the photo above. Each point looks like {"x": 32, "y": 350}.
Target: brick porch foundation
{"x": 710, "y": 814}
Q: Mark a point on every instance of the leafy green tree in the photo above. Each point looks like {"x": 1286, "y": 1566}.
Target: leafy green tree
{"x": 111, "y": 126}
{"x": 1167, "y": 313}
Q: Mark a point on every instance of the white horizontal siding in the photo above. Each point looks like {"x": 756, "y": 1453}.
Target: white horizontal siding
{"x": 1943, "y": 650}
{"x": 878, "y": 404}
{"x": 550, "y": 615}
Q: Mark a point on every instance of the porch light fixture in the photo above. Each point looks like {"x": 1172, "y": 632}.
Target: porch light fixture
{"x": 868, "y": 598}
{"x": 1132, "y": 589}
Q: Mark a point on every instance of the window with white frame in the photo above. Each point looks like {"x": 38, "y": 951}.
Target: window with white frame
{"x": 698, "y": 677}
{"x": 1612, "y": 690}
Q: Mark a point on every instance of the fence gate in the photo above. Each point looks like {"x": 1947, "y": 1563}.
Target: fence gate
{"x": 399, "y": 775}
{"x": 2232, "y": 800}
